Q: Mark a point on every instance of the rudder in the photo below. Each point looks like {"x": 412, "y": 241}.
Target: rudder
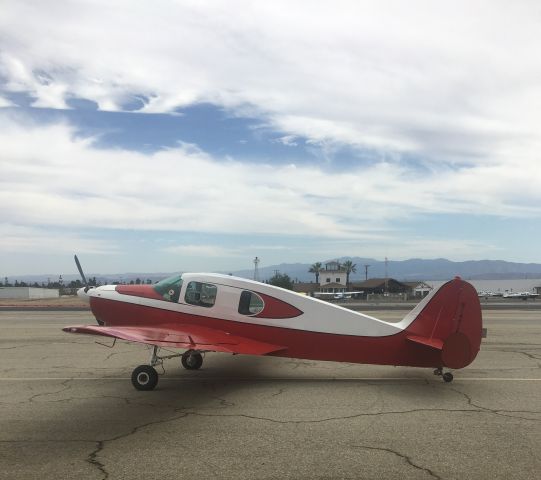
{"x": 448, "y": 320}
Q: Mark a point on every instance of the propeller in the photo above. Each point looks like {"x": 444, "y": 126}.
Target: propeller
{"x": 85, "y": 283}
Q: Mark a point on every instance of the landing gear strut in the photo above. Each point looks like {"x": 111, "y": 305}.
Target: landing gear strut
{"x": 447, "y": 376}
{"x": 145, "y": 377}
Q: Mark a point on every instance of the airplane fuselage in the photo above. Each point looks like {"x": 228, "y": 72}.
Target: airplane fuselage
{"x": 304, "y": 327}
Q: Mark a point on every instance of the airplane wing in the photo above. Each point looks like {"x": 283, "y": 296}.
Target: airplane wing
{"x": 193, "y": 337}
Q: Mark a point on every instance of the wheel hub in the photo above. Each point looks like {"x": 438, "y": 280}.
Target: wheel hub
{"x": 143, "y": 378}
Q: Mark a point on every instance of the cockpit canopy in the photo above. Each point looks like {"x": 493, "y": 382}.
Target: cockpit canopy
{"x": 169, "y": 288}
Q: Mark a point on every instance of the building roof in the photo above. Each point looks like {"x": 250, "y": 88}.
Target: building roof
{"x": 333, "y": 285}
{"x": 332, "y": 266}
{"x": 306, "y": 287}
{"x": 417, "y": 284}
{"x": 374, "y": 283}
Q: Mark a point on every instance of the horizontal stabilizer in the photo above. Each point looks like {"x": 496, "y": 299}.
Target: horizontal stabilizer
{"x": 186, "y": 336}
{"x": 427, "y": 342}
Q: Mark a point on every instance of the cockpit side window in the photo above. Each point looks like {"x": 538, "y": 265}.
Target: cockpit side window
{"x": 250, "y": 303}
{"x": 201, "y": 294}
{"x": 169, "y": 288}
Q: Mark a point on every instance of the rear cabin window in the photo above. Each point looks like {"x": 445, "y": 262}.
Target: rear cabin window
{"x": 250, "y": 303}
{"x": 201, "y": 294}
{"x": 169, "y": 288}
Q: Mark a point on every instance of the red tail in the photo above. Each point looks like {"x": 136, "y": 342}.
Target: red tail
{"x": 449, "y": 320}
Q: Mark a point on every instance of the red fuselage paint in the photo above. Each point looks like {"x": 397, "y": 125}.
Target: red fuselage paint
{"x": 388, "y": 350}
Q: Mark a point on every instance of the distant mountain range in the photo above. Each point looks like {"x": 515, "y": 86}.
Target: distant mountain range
{"x": 413, "y": 269}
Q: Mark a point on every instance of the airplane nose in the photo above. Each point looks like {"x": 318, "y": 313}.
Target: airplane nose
{"x": 82, "y": 293}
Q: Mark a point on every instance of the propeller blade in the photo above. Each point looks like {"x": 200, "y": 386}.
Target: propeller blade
{"x": 85, "y": 283}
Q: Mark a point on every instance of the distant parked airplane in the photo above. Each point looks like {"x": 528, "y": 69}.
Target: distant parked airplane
{"x": 337, "y": 295}
{"x": 521, "y": 295}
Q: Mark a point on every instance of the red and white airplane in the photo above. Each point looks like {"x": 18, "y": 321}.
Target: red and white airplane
{"x": 204, "y": 312}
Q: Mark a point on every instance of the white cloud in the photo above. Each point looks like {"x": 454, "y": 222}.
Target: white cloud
{"x": 455, "y": 86}
{"x": 455, "y": 82}
{"x": 4, "y": 102}
{"x": 288, "y": 140}
{"x": 34, "y": 240}
{"x": 197, "y": 250}
{"x": 51, "y": 177}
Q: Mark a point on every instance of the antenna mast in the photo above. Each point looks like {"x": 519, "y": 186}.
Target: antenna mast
{"x": 256, "y": 269}
{"x": 386, "y": 274}
{"x": 366, "y": 271}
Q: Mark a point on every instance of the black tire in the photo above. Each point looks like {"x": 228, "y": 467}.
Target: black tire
{"x": 144, "y": 377}
{"x": 191, "y": 360}
{"x": 447, "y": 377}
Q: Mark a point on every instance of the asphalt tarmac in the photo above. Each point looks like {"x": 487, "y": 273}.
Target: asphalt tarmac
{"x": 68, "y": 410}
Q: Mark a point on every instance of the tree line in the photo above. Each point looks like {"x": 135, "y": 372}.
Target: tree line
{"x": 283, "y": 280}
{"x": 59, "y": 284}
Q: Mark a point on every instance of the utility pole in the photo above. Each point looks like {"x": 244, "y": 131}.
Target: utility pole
{"x": 256, "y": 269}
{"x": 386, "y": 275}
{"x": 366, "y": 271}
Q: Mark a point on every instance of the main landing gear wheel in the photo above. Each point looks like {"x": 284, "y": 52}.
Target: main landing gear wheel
{"x": 191, "y": 360}
{"x": 144, "y": 377}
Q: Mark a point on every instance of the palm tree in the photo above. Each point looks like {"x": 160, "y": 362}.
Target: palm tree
{"x": 349, "y": 267}
{"x": 315, "y": 269}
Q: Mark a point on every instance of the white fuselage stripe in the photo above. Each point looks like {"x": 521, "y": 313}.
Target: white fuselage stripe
{"x": 318, "y": 316}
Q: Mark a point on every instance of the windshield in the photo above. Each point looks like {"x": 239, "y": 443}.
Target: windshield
{"x": 169, "y": 288}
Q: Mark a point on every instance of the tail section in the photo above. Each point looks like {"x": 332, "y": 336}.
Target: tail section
{"x": 448, "y": 320}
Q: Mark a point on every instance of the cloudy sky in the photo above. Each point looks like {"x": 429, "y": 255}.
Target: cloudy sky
{"x": 190, "y": 135}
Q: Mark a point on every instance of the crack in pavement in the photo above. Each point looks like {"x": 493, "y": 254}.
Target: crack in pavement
{"x": 48, "y": 440}
{"x": 330, "y": 419}
{"x": 408, "y": 460}
{"x": 48, "y": 344}
{"x": 65, "y": 387}
{"x": 92, "y": 457}
{"x": 279, "y": 392}
{"x": 523, "y": 352}
{"x": 476, "y": 409}
{"x": 529, "y": 355}
{"x": 25, "y": 346}
{"x": 93, "y": 460}
{"x": 495, "y": 411}
{"x": 115, "y": 353}
{"x": 223, "y": 402}
{"x": 294, "y": 364}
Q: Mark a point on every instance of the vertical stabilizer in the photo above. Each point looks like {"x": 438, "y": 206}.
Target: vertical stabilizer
{"x": 449, "y": 320}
